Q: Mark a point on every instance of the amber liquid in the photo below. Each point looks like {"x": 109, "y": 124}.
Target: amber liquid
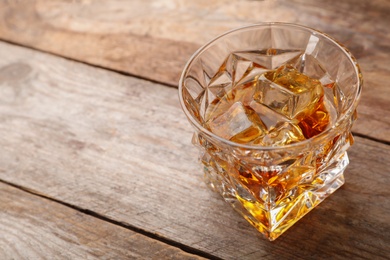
{"x": 277, "y": 108}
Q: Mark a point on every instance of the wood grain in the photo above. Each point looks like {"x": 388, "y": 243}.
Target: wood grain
{"x": 154, "y": 39}
{"x": 120, "y": 147}
{"x": 36, "y": 228}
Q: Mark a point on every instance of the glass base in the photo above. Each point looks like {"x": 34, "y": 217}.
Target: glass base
{"x": 274, "y": 220}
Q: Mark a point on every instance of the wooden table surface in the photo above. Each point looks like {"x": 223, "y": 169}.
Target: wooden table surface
{"x": 96, "y": 159}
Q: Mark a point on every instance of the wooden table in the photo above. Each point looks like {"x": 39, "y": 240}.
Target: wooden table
{"x": 96, "y": 160}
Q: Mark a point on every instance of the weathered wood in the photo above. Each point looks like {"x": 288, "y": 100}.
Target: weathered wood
{"x": 101, "y": 43}
{"x": 120, "y": 147}
{"x": 35, "y": 228}
{"x": 154, "y": 39}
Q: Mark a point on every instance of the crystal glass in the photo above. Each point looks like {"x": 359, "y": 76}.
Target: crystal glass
{"x": 271, "y": 182}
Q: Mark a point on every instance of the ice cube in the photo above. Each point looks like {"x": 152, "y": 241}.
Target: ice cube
{"x": 282, "y": 134}
{"x": 289, "y": 92}
{"x": 239, "y": 124}
{"x": 269, "y": 117}
{"x": 242, "y": 93}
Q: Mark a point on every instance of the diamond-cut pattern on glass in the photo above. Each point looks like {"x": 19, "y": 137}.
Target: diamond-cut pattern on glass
{"x": 233, "y": 88}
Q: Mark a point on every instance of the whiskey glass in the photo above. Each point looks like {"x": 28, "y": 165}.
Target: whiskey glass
{"x": 272, "y": 187}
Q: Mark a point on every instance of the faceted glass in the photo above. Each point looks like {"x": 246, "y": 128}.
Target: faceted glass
{"x": 272, "y": 106}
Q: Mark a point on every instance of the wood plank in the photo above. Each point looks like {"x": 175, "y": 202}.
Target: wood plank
{"x": 154, "y": 39}
{"x": 36, "y": 228}
{"x": 156, "y": 58}
{"x": 120, "y": 147}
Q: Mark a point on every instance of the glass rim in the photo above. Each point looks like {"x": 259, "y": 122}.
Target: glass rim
{"x": 316, "y": 139}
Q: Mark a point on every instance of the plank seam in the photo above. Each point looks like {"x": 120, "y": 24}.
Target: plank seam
{"x": 94, "y": 214}
{"x": 371, "y": 138}
{"x": 124, "y": 73}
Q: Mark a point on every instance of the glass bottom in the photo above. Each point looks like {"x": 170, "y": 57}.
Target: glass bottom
{"x": 274, "y": 220}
